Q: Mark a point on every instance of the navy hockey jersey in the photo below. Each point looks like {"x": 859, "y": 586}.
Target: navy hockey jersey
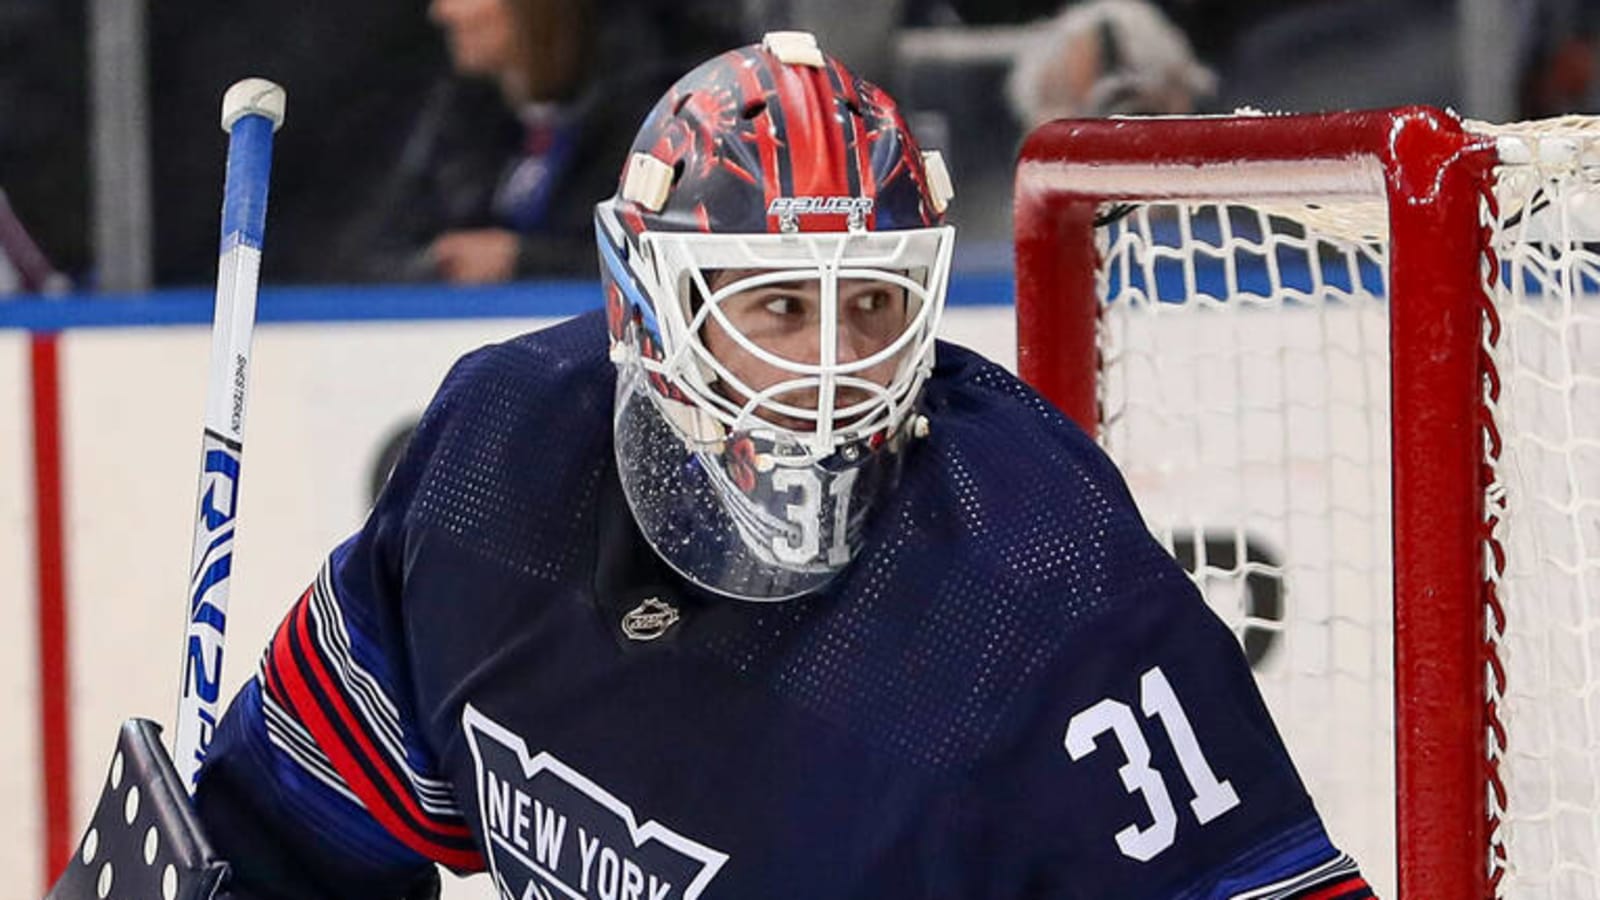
{"x": 1013, "y": 692}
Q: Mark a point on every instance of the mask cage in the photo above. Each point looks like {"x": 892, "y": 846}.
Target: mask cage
{"x": 674, "y": 266}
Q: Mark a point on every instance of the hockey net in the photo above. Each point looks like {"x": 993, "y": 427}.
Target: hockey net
{"x": 1350, "y": 367}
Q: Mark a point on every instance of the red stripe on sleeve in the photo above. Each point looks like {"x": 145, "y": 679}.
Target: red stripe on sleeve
{"x": 302, "y": 701}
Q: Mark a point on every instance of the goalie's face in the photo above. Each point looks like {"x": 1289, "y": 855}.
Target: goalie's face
{"x": 786, "y": 320}
{"x": 775, "y": 263}
{"x": 763, "y": 411}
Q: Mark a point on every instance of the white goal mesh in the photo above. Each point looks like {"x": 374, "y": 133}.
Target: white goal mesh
{"x": 1245, "y": 398}
{"x": 1546, "y": 228}
{"x": 1244, "y": 389}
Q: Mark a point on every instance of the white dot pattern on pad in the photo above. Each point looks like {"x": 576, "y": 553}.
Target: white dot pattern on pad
{"x": 152, "y": 842}
{"x": 169, "y": 883}
{"x": 103, "y": 884}
{"x": 130, "y": 807}
{"x": 91, "y": 846}
{"x": 116, "y": 771}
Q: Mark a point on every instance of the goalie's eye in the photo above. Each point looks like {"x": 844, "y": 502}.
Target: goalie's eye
{"x": 874, "y": 301}
{"x": 784, "y": 305}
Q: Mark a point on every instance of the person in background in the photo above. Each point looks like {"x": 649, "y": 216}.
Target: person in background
{"x": 44, "y": 140}
{"x": 509, "y": 153}
{"x": 1559, "y": 53}
{"x": 863, "y": 34}
{"x": 354, "y": 71}
{"x": 1107, "y": 57}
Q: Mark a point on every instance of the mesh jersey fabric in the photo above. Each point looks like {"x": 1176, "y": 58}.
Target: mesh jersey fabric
{"x": 900, "y": 733}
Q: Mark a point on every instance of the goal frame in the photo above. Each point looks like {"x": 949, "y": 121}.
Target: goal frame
{"x": 1435, "y": 176}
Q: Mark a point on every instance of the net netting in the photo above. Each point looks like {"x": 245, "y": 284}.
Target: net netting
{"x": 1245, "y": 394}
{"x": 1245, "y": 397}
{"x": 1546, "y": 243}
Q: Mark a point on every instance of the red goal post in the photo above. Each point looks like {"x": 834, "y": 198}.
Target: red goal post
{"x": 1187, "y": 283}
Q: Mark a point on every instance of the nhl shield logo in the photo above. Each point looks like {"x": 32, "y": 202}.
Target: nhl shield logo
{"x": 649, "y": 620}
{"x": 552, "y": 833}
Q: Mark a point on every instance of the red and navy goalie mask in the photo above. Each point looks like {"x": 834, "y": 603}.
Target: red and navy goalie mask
{"x": 774, "y": 264}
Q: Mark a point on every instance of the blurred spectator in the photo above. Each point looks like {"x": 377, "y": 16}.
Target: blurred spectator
{"x": 499, "y": 177}
{"x": 1107, "y": 57}
{"x": 1001, "y": 12}
{"x": 1344, "y": 54}
{"x": 862, "y": 35}
{"x": 353, "y": 70}
{"x": 1557, "y": 59}
{"x": 44, "y": 142}
{"x": 1211, "y": 25}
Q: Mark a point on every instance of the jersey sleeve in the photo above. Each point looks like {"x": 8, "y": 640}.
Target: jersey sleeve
{"x": 319, "y": 781}
{"x": 1148, "y": 766}
{"x": 1134, "y": 757}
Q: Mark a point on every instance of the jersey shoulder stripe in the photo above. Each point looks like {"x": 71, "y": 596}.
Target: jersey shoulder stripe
{"x": 1335, "y": 879}
{"x": 372, "y": 700}
{"x": 1298, "y": 863}
{"x": 293, "y": 740}
{"x": 356, "y": 740}
{"x": 282, "y": 789}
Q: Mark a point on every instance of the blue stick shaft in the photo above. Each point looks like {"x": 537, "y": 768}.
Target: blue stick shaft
{"x": 244, "y": 215}
{"x": 244, "y": 194}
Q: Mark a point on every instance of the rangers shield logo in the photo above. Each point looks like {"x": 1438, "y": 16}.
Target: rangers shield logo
{"x": 552, "y": 833}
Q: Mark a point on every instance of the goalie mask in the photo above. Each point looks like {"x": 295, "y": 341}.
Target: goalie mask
{"x": 774, "y": 264}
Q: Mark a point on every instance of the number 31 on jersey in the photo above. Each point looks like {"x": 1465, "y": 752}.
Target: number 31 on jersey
{"x": 1212, "y": 797}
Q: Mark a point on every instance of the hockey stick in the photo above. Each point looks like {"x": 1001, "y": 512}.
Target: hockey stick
{"x": 252, "y": 110}
{"x": 145, "y": 838}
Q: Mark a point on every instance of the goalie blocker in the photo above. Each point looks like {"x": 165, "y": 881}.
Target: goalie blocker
{"x": 145, "y": 839}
